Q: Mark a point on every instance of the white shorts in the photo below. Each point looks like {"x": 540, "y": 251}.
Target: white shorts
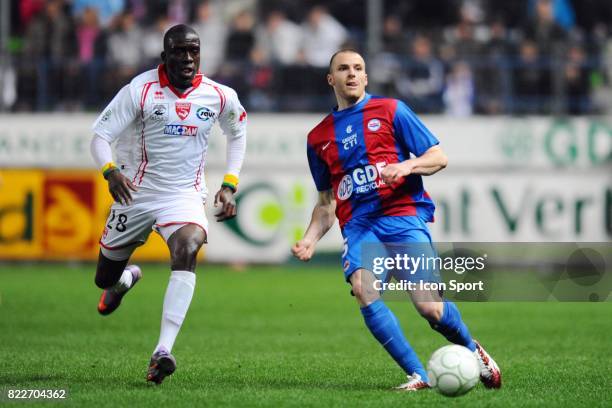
{"x": 128, "y": 227}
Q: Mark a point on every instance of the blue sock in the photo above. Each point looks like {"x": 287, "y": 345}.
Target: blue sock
{"x": 384, "y": 326}
{"x": 452, "y": 327}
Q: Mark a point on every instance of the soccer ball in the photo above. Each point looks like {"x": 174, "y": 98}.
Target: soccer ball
{"x": 453, "y": 370}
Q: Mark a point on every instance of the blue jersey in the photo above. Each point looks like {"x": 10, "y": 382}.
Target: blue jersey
{"x": 349, "y": 148}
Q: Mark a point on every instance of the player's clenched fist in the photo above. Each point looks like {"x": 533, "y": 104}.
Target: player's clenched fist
{"x": 393, "y": 173}
{"x": 303, "y": 250}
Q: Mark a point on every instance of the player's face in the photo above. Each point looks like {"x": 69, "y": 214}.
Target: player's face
{"x": 182, "y": 59}
{"x": 348, "y": 76}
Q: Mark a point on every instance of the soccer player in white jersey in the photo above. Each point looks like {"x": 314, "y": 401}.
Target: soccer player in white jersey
{"x": 160, "y": 123}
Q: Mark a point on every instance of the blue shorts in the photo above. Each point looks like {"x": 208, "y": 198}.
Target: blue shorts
{"x": 365, "y": 238}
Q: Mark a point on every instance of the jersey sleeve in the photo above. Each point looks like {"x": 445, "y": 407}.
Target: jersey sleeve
{"x": 410, "y": 132}
{"x": 319, "y": 170}
{"x": 117, "y": 116}
{"x": 233, "y": 122}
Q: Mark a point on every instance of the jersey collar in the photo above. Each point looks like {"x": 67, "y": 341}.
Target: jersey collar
{"x": 353, "y": 108}
{"x": 165, "y": 82}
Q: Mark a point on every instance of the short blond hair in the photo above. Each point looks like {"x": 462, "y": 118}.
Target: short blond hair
{"x": 341, "y": 51}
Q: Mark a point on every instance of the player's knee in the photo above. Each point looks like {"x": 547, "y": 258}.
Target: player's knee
{"x": 364, "y": 293}
{"x": 432, "y": 311}
{"x": 188, "y": 249}
{"x": 184, "y": 253}
{"x": 357, "y": 291}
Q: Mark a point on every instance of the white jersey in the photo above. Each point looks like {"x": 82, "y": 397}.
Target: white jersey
{"x": 162, "y": 134}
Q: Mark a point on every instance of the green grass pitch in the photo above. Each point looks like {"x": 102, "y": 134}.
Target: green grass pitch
{"x": 278, "y": 336}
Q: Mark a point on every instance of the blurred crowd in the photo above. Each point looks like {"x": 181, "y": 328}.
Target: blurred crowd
{"x": 459, "y": 57}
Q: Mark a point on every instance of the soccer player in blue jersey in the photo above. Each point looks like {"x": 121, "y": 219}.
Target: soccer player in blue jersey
{"x": 360, "y": 160}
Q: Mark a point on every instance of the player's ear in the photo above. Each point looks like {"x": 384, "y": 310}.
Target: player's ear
{"x": 330, "y": 80}
{"x": 366, "y": 80}
{"x": 163, "y": 56}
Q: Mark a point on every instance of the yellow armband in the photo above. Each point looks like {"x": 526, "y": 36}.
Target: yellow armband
{"x": 231, "y": 181}
{"x": 108, "y": 168}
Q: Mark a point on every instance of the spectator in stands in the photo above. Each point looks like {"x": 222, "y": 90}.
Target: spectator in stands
{"x": 209, "y": 25}
{"x": 138, "y": 8}
{"x": 394, "y": 37}
{"x": 237, "y": 68}
{"x": 386, "y": 65}
{"x": 91, "y": 41}
{"x": 106, "y": 10}
{"x": 48, "y": 45}
{"x": 63, "y": 56}
{"x": 178, "y": 11}
{"x": 241, "y": 39}
{"x": 576, "y": 78}
{"x": 543, "y": 29}
{"x": 422, "y": 79}
{"x": 531, "y": 81}
{"x": 562, "y": 12}
{"x": 603, "y": 93}
{"x": 28, "y": 9}
{"x": 492, "y": 71}
{"x": 260, "y": 83}
{"x": 125, "y": 51}
{"x": 279, "y": 39}
{"x": 152, "y": 41}
{"x": 467, "y": 35}
{"x": 323, "y": 35}
{"x": 459, "y": 91}
{"x": 8, "y": 80}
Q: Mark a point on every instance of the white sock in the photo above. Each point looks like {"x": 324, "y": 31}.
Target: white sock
{"x": 124, "y": 282}
{"x": 176, "y": 303}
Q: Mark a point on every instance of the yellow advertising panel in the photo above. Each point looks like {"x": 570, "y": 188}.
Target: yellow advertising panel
{"x": 70, "y": 228}
{"x": 58, "y": 215}
{"x": 20, "y": 214}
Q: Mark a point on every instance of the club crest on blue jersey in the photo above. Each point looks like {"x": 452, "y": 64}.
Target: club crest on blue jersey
{"x": 181, "y": 130}
{"x": 373, "y": 125}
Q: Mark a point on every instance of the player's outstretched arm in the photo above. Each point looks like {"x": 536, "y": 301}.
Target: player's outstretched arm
{"x": 430, "y": 162}
{"x": 322, "y": 219}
